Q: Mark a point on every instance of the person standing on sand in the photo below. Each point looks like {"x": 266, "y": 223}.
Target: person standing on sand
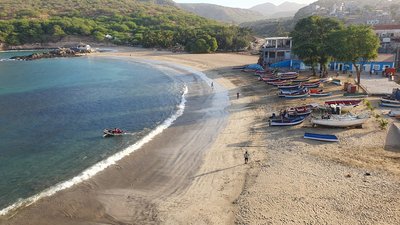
{"x": 237, "y": 95}
{"x": 212, "y": 84}
{"x": 246, "y": 157}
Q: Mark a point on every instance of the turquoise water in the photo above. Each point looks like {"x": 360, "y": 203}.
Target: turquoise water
{"x": 53, "y": 111}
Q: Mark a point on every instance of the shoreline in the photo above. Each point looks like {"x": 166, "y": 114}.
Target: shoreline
{"x": 92, "y": 170}
{"x": 289, "y": 180}
{"x": 26, "y": 210}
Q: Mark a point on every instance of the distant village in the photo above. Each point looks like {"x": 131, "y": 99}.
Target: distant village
{"x": 384, "y": 20}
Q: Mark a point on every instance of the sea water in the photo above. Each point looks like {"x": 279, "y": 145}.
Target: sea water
{"x": 53, "y": 111}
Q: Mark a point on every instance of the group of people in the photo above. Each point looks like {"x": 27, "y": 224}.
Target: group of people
{"x": 117, "y": 131}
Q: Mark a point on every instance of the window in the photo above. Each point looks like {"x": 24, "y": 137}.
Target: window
{"x": 377, "y": 67}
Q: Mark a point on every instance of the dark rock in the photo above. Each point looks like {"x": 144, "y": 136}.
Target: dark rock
{"x": 60, "y": 52}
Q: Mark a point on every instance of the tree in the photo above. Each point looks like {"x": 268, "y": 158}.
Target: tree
{"x": 310, "y": 40}
{"x": 200, "y": 46}
{"x": 355, "y": 43}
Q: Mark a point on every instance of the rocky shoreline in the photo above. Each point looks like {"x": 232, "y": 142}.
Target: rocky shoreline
{"x": 57, "y": 53}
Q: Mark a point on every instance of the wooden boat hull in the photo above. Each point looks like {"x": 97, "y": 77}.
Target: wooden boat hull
{"x": 339, "y": 123}
{"x": 394, "y": 113}
{"x": 279, "y": 122}
{"x": 390, "y": 101}
{"x": 288, "y": 86}
{"x": 321, "y": 94}
{"x": 355, "y": 95}
{"x": 384, "y": 104}
{"x": 343, "y": 102}
{"x": 294, "y": 96}
{"x": 321, "y": 137}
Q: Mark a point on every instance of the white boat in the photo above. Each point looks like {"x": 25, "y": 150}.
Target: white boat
{"x": 391, "y": 101}
{"x": 340, "y": 121}
{"x": 394, "y": 113}
{"x": 391, "y": 105}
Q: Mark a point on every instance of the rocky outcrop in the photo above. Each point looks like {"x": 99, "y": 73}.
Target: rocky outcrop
{"x": 60, "y": 52}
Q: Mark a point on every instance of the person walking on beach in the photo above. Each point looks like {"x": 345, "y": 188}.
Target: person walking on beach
{"x": 212, "y": 84}
{"x": 246, "y": 157}
{"x": 237, "y": 95}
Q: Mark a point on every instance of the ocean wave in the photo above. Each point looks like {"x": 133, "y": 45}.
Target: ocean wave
{"x": 100, "y": 166}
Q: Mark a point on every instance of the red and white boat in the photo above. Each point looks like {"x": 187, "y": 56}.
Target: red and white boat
{"x": 346, "y": 102}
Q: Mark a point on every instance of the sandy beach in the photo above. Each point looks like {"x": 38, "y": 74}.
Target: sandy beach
{"x": 194, "y": 172}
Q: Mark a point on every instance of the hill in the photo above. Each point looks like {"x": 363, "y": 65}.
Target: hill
{"x": 271, "y": 27}
{"x": 149, "y": 23}
{"x": 222, "y": 13}
{"x": 353, "y": 11}
{"x": 285, "y": 9}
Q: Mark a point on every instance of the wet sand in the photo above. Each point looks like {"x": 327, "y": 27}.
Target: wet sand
{"x": 193, "y": 173}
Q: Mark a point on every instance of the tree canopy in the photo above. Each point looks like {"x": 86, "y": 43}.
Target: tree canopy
{"x": 125, "y": 22}
{"x": 355, "y": 43}
{"x": 318, "y": 40}
{"x": 310, "y": 38}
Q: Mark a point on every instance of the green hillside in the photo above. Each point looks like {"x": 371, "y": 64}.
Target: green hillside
{"x": 151, "y": 23}
{"x": 221, "y": 13}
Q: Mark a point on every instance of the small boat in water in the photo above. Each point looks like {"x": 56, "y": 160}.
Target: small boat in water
{"x": 321, "y": 137}
{"x": 112, "y": 132}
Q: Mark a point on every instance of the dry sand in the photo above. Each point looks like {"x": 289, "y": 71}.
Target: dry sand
{"x": 193, "y": 173}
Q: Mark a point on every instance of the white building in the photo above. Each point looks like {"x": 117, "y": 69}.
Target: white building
{"x": 277, "y": 49}
{"x": 83, "y": 47}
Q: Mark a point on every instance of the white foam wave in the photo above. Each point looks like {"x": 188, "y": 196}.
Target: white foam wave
{"x": 100, "y": 166}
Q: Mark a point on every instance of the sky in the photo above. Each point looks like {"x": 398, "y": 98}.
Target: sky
{"x": 243, "y": 3}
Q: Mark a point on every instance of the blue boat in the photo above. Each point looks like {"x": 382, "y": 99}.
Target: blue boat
{"x": 321, "y": 137}
{"x": 286, "y": 121}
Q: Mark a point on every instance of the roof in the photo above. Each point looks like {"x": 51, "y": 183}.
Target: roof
{"x": 387, "y": 27}
{"x": 277, "y": 38}
{"x": 385, "y": 58}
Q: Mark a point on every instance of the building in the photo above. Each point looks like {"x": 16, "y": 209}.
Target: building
{"x": 276, "y": 49}
{"x": 277, "y": 53}
{"x": 83, "y": 47}
{"x": 377, "y": 66}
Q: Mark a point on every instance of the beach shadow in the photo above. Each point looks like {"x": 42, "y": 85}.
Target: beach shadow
{"x": 215, "y": 171}
{"x": 240, "y": 144}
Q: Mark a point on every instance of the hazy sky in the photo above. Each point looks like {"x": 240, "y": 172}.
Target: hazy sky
{"x": 243, "y": 3}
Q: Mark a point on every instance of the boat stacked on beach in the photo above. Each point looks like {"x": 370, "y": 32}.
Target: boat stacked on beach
{"x": 393, "y": 100}
{"x": 347, "y": 120}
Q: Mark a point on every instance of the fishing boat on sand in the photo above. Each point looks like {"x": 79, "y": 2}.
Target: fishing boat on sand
{"x": 289, "y": 86}
{"x": 390, "y": 105}
{"x": 319, "y": 93}
{"x": 321, "y": 137}
{"x": 340, "y": 121}
{"x": 301, "y": 110}
{"x": 286, "y": 121}
{"x": 390, "y": 101}
{"x": 303, "y": 93}
{"x": 394, "y": 113}
{"x": 355, "y": 95}
{"x": 311, "y": 84}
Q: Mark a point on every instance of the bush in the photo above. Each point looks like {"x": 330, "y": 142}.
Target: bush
{"x": 383, "y": 123}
